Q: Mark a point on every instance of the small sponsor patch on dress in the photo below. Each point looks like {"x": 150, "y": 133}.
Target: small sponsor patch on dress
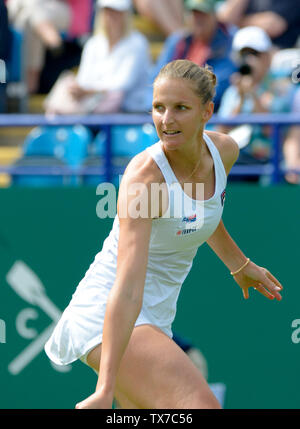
{"x": 191, "y": 218}
{"x": 186, "y": 231}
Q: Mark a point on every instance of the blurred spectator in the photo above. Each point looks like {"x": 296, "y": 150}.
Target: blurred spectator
{"x": 113, "y": 71}
{"x": 254, "y": 90}
{"x": 42, "y": 23}
{"x": 166, "y": 14}
{"x": 4, "y": 53}
{"x": 291, "y": 147}
{"x": 279, "y": 18}
{"x": 206, "y": 41}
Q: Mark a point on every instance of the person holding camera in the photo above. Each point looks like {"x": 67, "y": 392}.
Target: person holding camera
{"x": 253, "y": 90}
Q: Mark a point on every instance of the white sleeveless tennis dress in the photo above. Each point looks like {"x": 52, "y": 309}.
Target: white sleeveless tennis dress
{"x": 173, "y": 244}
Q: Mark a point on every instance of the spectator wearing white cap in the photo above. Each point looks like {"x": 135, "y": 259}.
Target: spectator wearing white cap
{"x": 254, "y": 90}
{"x": 113, "y": 71}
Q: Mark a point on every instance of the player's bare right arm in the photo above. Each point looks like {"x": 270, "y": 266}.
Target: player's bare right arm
{"x": 126, "y": 297}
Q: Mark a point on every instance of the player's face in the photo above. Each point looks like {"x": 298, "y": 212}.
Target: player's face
{"x": 178, "y": 113}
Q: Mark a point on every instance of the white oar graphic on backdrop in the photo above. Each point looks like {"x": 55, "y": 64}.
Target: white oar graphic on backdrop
{"x": 29, "y": 287}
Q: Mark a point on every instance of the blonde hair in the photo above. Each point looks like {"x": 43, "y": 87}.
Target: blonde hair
{"x": 203, "y": 79}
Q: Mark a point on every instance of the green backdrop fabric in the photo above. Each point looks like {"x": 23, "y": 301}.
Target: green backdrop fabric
{"x": 48, "y": 239}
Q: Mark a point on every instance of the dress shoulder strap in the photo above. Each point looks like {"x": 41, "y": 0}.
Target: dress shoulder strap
{"x": 219, "y": 166}
{"x": 159, "y": 157}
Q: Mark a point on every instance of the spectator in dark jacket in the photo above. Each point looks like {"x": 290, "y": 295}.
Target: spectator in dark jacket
{"x": 206, "y": 41}
{"x": 280, "y": 19}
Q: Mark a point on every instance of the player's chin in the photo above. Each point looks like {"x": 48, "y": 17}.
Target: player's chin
{"x": 172, "y": 141}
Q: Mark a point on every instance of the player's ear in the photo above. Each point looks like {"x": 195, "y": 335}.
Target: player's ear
{"x": 208, "y": 111}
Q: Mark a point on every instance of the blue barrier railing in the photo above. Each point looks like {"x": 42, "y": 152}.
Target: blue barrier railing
{"x": 275, "y": 121}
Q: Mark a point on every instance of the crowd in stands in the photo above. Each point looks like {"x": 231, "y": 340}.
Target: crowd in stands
{"x": 113, "y": 71}
{"x": 242, "y": 40}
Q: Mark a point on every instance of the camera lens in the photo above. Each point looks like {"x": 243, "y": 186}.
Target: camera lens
{"x": 245, "y": 69}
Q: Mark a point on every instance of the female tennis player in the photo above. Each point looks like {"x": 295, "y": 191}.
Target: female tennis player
{"x": 119, "y": 319}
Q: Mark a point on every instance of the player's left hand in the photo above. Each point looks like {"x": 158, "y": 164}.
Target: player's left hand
{"x": 260, "y": 279}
